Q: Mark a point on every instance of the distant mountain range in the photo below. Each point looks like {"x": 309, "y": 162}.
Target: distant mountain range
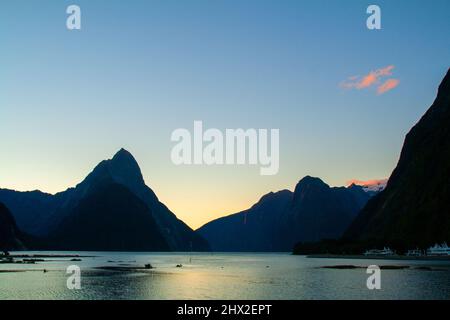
{"x": 414, "y": 209}
{"x": 314, "y": 211}
{"x": 372, "y": 186}
{"x": 111, "y": 209}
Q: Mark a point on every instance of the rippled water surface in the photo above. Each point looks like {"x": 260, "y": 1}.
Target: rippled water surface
{"x": 220, "y": 276}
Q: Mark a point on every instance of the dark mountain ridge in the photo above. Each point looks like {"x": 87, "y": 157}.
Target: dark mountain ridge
{"x": 414, "y": 209}
{"x": 109, "y": 218}
{"x": 251, "y": 230}
{"x": 314, "y": 211}
{"x": 54, "y": 213}
{"x": 10, "y": 236}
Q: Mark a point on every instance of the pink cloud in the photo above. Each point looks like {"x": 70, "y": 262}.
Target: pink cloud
{"x": 388, "y": 85}
{"x": 372, "y": 78}
{"x": 366, "y": 82}
{"x": 367, "y": 183}
{"x": 387, "y": 71}
{"x": 370, "y": 185}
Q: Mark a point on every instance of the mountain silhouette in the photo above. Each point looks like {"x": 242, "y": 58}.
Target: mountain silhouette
{"x": 55, "y": 213}
{"x": 414, "y": 209}
{"x": 251, "y": 230}
{"x": 32, "y": 209}
{"x": 9, "y": 233}
{"x": 110, "y": 218}
{"x": 321, "y": 212}
{"x": 314, "y": 211}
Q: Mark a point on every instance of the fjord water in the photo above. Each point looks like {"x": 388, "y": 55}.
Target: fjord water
{"x": 220, "y": 276}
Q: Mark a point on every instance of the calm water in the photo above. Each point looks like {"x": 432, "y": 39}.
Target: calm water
{"x": 221, "y": 276}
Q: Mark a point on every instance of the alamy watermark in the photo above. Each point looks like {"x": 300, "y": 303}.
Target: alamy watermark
{"x": 373, "y": 22}
{"x": 235, "y": 146}
{"x": 374, "y": 280}
{"x": 74, "y": 280}
{"x": 73, "y": 21}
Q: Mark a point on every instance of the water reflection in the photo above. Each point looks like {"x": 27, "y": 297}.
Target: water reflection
{"x": 221, "y": 276}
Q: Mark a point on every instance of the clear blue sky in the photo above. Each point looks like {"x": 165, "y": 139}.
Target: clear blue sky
{"x": 140, "y": 69}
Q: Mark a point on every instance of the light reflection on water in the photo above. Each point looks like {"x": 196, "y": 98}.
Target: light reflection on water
{"x": 221, "y": 276}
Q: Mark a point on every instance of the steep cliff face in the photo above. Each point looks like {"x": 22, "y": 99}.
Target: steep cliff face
{"x": 414, "y": 209}
{"x": 9, "y": 233}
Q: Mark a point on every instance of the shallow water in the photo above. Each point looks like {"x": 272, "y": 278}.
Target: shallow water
{"x": 221, "y": 276}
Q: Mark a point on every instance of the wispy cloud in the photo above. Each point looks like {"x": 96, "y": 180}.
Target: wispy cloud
{"x": 388, "y": 85}
{"x": 372, "y": 79}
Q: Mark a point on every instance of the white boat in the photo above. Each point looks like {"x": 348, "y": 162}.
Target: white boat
{"x": 439, "y": 250}
{"x": 375, "y": 252}
{"x": 414, "y": 253}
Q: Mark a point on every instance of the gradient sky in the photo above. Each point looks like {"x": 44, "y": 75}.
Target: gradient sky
{"x": 140, "y": 69}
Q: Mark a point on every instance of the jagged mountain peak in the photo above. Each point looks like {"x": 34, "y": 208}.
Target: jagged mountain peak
{"x": 355, "y": 186}
{"x": 124, "y": 168}
{"x": 308, "y": 185}
{"x": 113, "y": 190}
{"x": 311, "y": 181}
{"x": 124, "y": 156}
{"x": 274, "y": 195}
